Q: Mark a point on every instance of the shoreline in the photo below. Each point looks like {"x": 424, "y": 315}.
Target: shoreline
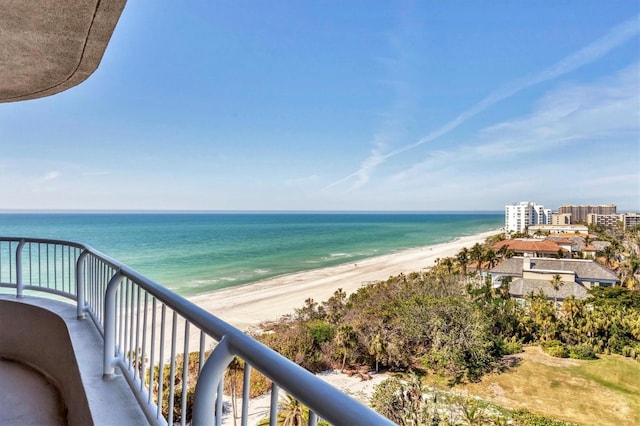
{"x": 247, "y": 306}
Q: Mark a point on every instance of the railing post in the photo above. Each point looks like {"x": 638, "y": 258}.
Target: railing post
{"x": 80, "y": 270}
{"x": 246, "y": 384}
{"x": 19, "y": 283}
{"x": 273, "y": 407}
{"x": 204, "y": 397}
{"x": 109, "y": 360}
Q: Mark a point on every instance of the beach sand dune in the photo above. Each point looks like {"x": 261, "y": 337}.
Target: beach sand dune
{"x": 247, "y": 306}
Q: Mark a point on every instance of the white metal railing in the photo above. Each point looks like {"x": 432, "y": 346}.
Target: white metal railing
{"x": 151, "y": 333}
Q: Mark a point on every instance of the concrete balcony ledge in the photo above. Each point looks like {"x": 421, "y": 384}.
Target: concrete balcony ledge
{"x": 45, "y": 335}
{"x": 51, "y": 46}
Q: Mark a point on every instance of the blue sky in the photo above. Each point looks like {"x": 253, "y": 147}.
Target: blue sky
{"x": 340, "y": 105}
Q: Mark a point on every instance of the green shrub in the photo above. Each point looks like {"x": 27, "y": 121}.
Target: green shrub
{"x": 558, "y": 351}
{"x": 582, "y": 351}
{"x": 527, "y": 418}
{"x": 387, "y": 399}
{"x": 555, "y": 348}
{"x": 511, "y": 346}
{"x": 321, "y": 331}
{"x": 631, "y": 351}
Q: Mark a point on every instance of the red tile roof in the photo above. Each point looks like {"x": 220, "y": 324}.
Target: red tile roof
{"x": 563, "y": 241}
{"x": 529, "y": 246}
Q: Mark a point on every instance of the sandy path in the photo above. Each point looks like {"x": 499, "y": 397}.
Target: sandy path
{"x": 247, "y": 306}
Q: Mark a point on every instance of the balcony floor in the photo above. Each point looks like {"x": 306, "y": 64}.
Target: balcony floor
{"x": 27, "y": 397}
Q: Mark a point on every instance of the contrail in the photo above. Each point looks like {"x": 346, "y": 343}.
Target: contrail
{"x": 615, "y": 37}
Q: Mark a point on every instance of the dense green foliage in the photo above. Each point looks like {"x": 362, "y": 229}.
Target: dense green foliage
{"x": 451, "y": 322}
{"x": 440, "y": 323}
{"x": 604, "y": 323}
{"x": 404, "y": 323}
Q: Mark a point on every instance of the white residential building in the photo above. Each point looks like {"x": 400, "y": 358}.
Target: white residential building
{"x": 517, "y": 217}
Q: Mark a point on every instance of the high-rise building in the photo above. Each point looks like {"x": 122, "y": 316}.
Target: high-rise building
{"x": 561, "y": 219}
{"x": 580, "y": 213}
{"x": 606, "y": 220}
{"x": 630, "y": 220}
{"x": 518, "y": 216}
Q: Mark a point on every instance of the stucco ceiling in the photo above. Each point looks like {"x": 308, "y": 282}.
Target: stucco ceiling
{"x": 49, "y": 46}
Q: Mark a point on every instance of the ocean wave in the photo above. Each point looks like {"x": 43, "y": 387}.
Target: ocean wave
{"x": 340, "y": 255}
{"x": 262, "y": 271}
{"x": 205, "y": 282}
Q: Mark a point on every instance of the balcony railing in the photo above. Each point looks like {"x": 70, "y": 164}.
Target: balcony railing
{"x": 149, "y": 333}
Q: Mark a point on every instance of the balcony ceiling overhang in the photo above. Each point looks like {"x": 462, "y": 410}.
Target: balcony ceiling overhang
{"x": 50, "y": 46}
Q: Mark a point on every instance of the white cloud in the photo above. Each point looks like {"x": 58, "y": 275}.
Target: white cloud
{"x": 594, "y": 51}
{"x": 577, "y": 139}
{"x": 599, "y": 112}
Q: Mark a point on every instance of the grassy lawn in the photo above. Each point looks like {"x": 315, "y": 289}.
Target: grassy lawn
{"x": 604, "y": 391}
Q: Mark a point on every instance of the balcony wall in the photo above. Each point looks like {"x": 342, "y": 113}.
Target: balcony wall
{"x": 45, "y": 335}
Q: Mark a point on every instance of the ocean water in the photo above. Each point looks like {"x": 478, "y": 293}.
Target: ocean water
{"x": 202, "y": 252}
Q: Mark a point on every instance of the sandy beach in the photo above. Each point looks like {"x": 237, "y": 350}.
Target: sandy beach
{"x": 247, "y": 306}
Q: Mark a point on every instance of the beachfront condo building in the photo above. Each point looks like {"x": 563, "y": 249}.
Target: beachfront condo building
{"x": 561, "y": 219}
{"x": 581, "y": 213}
{"x": 519, "y": 216}
{"x": 630, "y": 220}
{"x": 606, "y": 220}
{"x": 612, "y": 220}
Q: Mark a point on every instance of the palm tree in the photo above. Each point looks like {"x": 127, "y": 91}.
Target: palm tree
{"x": 291, "y": 412}
{"x": 572, "y": 307}
{"x": 376, "y": 348}
{"x": 334, "y": 307}
{"x": 505, "y": 283}
{"x": 309, "y": 311}
{"x": 542, "y": 316}
{"x": 556, "y": 283}
{"x": 463, "y": 259}
{"x": 447, "y": 262}
{"x": 491, "y": 256}
{"x": 609, "y": 253}
{"x": 477, "y": 254}
{"x": 631, "y": 269}
{"x": 235, "y": 368}
{"x": 504, "y": 252}
{"x": 346, "y": 339}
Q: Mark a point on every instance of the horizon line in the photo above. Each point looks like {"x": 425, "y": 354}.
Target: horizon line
{"x": 179, "y": 211}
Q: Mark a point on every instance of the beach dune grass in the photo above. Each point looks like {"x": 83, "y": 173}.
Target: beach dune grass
{"x": 605, "y": 391}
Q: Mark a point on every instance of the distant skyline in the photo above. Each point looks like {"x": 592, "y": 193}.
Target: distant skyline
{"x": 339, "y": 106}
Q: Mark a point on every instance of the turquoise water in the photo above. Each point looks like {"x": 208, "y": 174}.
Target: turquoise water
{"x": 195, "y": 253}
